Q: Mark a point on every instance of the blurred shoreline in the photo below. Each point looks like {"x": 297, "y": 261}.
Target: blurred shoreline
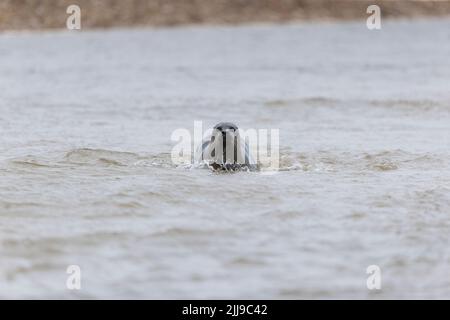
{"x": 51, "y": 14}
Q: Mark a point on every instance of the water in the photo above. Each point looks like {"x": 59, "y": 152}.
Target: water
{"x": 86, "y": 176}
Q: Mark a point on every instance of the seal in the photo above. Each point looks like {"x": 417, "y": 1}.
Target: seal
{"x": 226, "y": 151}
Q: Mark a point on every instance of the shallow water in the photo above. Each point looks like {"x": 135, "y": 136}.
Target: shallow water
{"x": 86, "y": 176}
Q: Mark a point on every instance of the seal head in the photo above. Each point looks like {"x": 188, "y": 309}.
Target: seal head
{"x": 225, "y": 150}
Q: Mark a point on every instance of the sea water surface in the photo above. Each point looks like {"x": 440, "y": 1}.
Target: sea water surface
{"x": 86, "y": 176}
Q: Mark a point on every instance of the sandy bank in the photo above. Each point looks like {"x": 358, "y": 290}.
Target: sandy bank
{"x": 36, "y": 14}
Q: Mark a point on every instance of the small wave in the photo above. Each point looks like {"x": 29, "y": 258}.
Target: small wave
{"x": 11, "y": 204}
{"x": 185, "y": 232}
{"x": 333, "y": 161}
{"x": 423, "y": 104}
{"x": 384, "y": 166}
{"x": 400, "y": 104}
{"x": 310, "y": 101}
{"x": 117, "y": 158}
{"x": 94, "y": 157}
{"x": 161, "y": 160}
{"x": 101, "y": 156}
{"x": 30, "y": 164}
